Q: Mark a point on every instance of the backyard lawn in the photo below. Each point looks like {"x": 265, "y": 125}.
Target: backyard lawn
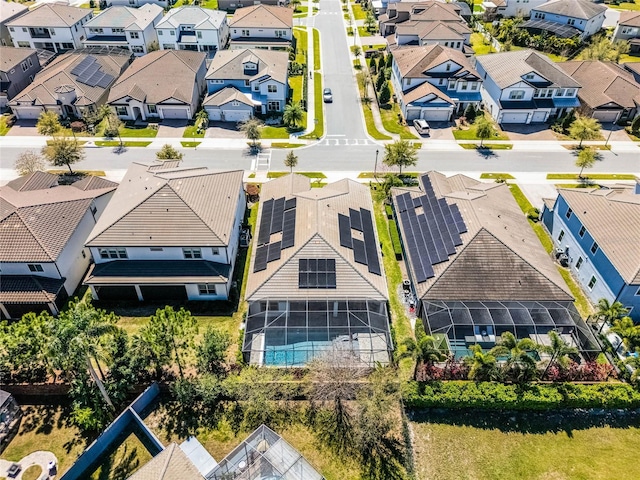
{"x": 478, "y": 45}
{"x": 122, "y": 463}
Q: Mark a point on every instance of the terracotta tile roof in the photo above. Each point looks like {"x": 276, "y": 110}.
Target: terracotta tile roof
{"x": 584, "y": 9}
{"x": 34, "y": 181}
{"x": 265, "y": 16}
{"x": 170, "y": 464}
{"x": 423, "y": 90}
{"x": 229, "y": 65}
{"x": 51, "y": 15}
{"x": 92, "y": 182}
{"x": 29, "y": 289}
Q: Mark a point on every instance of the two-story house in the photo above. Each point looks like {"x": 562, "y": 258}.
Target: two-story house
{"x": 43, "y": 227}
{"x": 146, "y": 91}
{"x": 524, "y": 86}
{"x": 567, "y": 18}
{"x": 130, "y": 28}
{"x": 74, "y": 84}
{"x": 262, "y": 26}
{"x": 628, "y": 29}
{"x": 434, "y": 82}
{"x": 9, "y": 11}
{"x": 50, "y": 26}
{"x": 165, "y": 4}
{"x": 510, "y": 8}
{"x": 18, "y": 67}
{"x": 233, "y": 5}
{"x": 240, "y": 82}
{"x": 598, "y": 230}
{"x": 193, "y": 28}
{"x": 169, "y": 233}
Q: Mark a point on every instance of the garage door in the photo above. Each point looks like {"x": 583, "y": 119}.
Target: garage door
{"x": 515, "y": 117}
{"x": 27, "y": 113}
{"x": 606, "y": 116}
{"x": 436, "y": 115}
{"x": 539, "y": 117}
{"x": 214, "y": 114}
{"x": 236, "y": 115}
{"x": 180, "y": 113}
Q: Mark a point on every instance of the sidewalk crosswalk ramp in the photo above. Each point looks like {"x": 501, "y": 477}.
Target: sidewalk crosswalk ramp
{"x": 262, "y": 161}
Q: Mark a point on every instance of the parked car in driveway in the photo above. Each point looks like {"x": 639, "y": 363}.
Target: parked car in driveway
{"x": 327, "y": 96}
{"x": 422, "y": 127}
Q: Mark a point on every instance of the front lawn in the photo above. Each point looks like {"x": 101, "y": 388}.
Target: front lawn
{"x": 487, "y": 146}
{"x": 470, "y": 133}
{"x": 144, "y": 132}
{"x": 390, "y": 114}
{"x": 626, "y": 6}
{"x": 192, "y": 132}
{"x": 591, "y": 176}
{"x": 312, "y": 175}
{"x": 4, "y": 128}
{"x": 318, "y": 131}
{"x": 358, "y": 12}
{"x": 116, "y": 143}
{"x": 365, "y": 32}
{"x": 269, "y": 131}
{"x": 494, "y": 176}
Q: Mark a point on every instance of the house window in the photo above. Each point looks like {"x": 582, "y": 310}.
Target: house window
{"x": 273, "y": 106}
{"x": 113, "y": 252}
{"x": 448, "y": 67}
{"x": 516, "y": 95}
{"x": 247, "y": 83}
{"x": 67, "y": 46}
{"x": 24, "y": 30}
{"x": 35, "y": 267}
{"x": 272, "y": 88}
{"x": 30, "y": 62}
{"x": 581, "y": 232}
{"x": 624, "y": 31}
{"x": 192, "y": 253}
{"x": 281, "y": 33}
{"x": 117, "y": 30}
{"x": 464, "y": 85}
{"x": 96, "y": 30}
{"x": 474, "y": 85}
{"x": 441, "y": 81}
{"x": 11, "y": 29}
{"x": 134, "y": 34}
{"x": 167, "y": 46}
{"x": 24, "y": 44}
{"x": 172, "y": 33}
{"x": 199, "y": 34}
{"x": 560, "y": 92}
{"x": 568, "y": 214}
{"x": 215, "y": 251}
{"x": 592, "y": 283}
{"x": 256, "y": 87}
{"x": 571, "y": 92}
{"x": 561, "y": 236}
{"x": 206, "y": 289}
{"x": 24, "y": 66}
{"x": 122, "y": 111}
{"x": 152, "y": 109}
{"x": 137, "y": 49}
{"x": 452, "y": 85}
{"x": 638, "y": 292}
{"x": 594, "y": 248}
{"x": 571, "y": 21}
{"x": 52, "y": 31}
{"x": 160, "y": 32}
{"x": 245, "y": 33}
{"x": 539, "y": 15}
{"x": 529, "y": 76}
{"x": 579, "y": 263}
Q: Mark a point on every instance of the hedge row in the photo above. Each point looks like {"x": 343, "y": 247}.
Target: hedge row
{"x": 499, "y": 396}
{"x": 395, "y": 239}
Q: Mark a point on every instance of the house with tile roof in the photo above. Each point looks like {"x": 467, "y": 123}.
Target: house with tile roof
{"x": 477, "y": 269}
{"x": 510, "y": 8}
{"x": 241, "y": 82}
{"x": 316, "y": 285}
{"x": 9, "y": 11}
{"x": 262, "y": 26}
{"x": 50, "y": 26}
{"x": 43, "y": 227}
{"x": 434, "y": 82}
{"x": 598, "y": 230}
{"x": 609, "y": 92}
{"x": 170, "y": 233}
{"x": 73, "y": 84}
{"x": 144, "y": 91}
{"x": 233, "y": 5}
{"x": 567, "y": 18}
{"x": 172, "y": 463}
{"x": 524, "y": 86}
{"x": 194, "y": 28}
{"x": 18, "y": 67}
{"x": 628, "y": 29}
{"x": 165, "y": 4}
{"x": 125, "y": 27}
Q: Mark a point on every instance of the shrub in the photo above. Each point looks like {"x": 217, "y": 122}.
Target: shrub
{"x": 533, "y": 214}
{"x": 78, "y": 126}
{"x": 470, "y": 113}
{"x": 635, "y": 125}
{"x": 385, "y": 93}
{"x": 395, "y": 239}
{"x": 379, "y": 81}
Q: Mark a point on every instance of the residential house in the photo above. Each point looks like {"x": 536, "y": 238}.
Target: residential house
{"x": 165, "y": 4}
{"x": 233, "y": 5}
{"x": 434, "y": 82}
{"x": 193, "y": 28}
{"x": 125, "y": 27}
{"x": 510, "y": 8}
{"x": 262, "y": 26}
{"x": 50, "y": 26}
{"x": 628, "y": 29}
{"x": 567, "y": 18}
{"x": 146, "y": 91}
{"x": 525, "y": 86}
{"x": 10, "y": 415}
{"x": 18, "y": 67}
{"x": 43, "y": 228}
{"x": 425, "y": 23}
{"x": 9, "y": 11}
{"x": 634, "y": 69}
{"x": 240, "y": 82}
{"x": 170, "y": 233}
{"x": 609, "y": 93}
{"x": 73, "y": 84}
{"x": 598, "y": 231}
{"x": 478, "y": 270}
{"x": 316, "y": 285}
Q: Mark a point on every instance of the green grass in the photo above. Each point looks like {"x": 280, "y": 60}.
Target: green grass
{"x": 95, "y": 173}
{"x": 391, "y": 115}
{"x": 626, "y": 58}
{"x": 312, "y": 175}
{"x": 301, "y": 45}
{"x": 582, "y": 303}
{"x": 358, "y": 12}
{"x": 295, "y": 85}
{"x": 470, "y": 133}
{"x": 368, "y": 119}
{"x": 286, "y": 145}
{"x": 190, "y": 144}
{"x": 316, "y": 49}
{"x": 478, "y": 45}
{"x": 270, "y": 131}
{"x": 318, "y": 131}
{"x": 300, "y": 11}
{"x": 212, "y": 4}
{"x": 115, "y": 143}
{"x": 122, "y": 463}
{"x": 192, "y": 132}
{"x": 492, "y": 175}
{"x": 446, "y": 451}
{"x": 146, "y": 132}
{"x": 487, "y": 146}
{"x": 626, "y": 6}
{"x": 593, "y": 176}
{"x": 4, "y": 128}
{"x": 365, "y": 32}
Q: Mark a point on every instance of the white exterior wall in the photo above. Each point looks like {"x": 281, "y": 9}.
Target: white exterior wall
{"x": 73, "y": 261}
{"x": 16, "y": 268}
{"x": 236, "y": 32}
{"x": 218, "y": 38}
{"x": 167, "y": 253}
{"x": 520, "y": 7}
{"x": 280, "y": 94}
{"x": 138, "y": 3}
{"x": 130, "y": 106}
{"x": 74, "y": 34}
{"x": 222, "y": 291}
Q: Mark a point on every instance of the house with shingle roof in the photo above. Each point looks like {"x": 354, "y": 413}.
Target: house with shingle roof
{"x": 510, "y": 8}
{"x": 524, "y": 86}
{"x": 9, "y": 11}
{"x": 145, "y": 91}
{"x": 18, "y": 67}
{"x": 628, "y": 29}
{"x": 50, "y": 26}
{"x": 233, "y": 5}
{"x": 169, "y": 233}
{"x": 316, "y": 284}
{"x": 567, "y": 18}
{"x": 477, "y": 269}
{"x": 194, "y": 28}
{"x": 262, "y": 26}
{"x": 43, "y": 227}
{"x": 73, "y": 84}
{"x": 609, "y": 92}
{"x": 241, "y": 82}
{"x": 434, "y": 82}
{"x": 125, "y": 27}
{"x": 598, "y": 230}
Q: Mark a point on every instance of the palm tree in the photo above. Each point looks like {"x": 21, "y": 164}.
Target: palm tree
{"x": 427, "y": 351}
{"x": 517, "y": 351}
{"x": 293, "y": 114}
{"x": 628, "y": 331}
{"x": 484, "y": 366}
{"x": 252, "y": 130}
{"x": 559, "y": 351}
{"x": 584, "y": 128}
{"x": 608, "y": 312}
{"x": 202, "y": 120}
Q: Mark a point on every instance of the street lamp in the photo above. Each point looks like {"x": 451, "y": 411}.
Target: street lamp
{"x": 375, "y": 166}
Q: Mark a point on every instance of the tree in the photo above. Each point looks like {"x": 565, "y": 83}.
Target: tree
{"x": 608, "y": 312}
{"x": 63, "y": 151}
{"x": 520, "y": 364}
{"x": 380, "y": 79}
{"x": 586, "y": 159}
{"x": 23, "y": 347}
{"x": 153, "y": 47}
{"x": 293, "y": 114}
{"x": 385, "y": 93}
{"x": 603, "y": 49}
{"x": 48, "y": 123}
{"x": 167, "y": 152}
{"x": 291, "y": 160}
{"x": 373, "y": 65}
{"x": 483, "y": 366}
{"x": 251, "y": 130}
{"x": 295, "y": 4}
{"x": 211, "y": 352}
{"x": 484, "y": 129}
{"x": 400, "y": 154}
{"x": 29, "y": 162}
{"x": 470, "y": 113}
{"x": 628, "y": 331}
{"x": 202, "y": 120}
{"x": 388, "y": 61}
{"x": 363, "y": 82}
{"x": 113, "y": 125}
{"x": 584, "y": 128}
{"x": 370, "y": 21}
{"x": 357, "y": 51}
{"x": 559, "y": 351}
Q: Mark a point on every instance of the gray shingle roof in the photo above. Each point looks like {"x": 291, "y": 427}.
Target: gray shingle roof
{"x": 151, "y": 272}
{"x": 170, "y": 464}
{"x": 584, "y": 9}
{"x": 226, "y": 95}
{"x": 51, "y": 15}
{"x": 170, "y": 207}
{"x": 228, "y": 65}
{"x": 415, "y": 61}
{"x": 201, "y": 18}
{"x": 10, "y": 57}
{"x": 29, "y": 289}
{"x": 125, "y": 17}
{"x": 10, "y": 9}
{"x": 265, "y": 16}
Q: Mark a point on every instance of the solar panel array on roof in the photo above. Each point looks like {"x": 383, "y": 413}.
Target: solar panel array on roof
{"x": 317, "y": 273}
{"x": 278, "y": 215}
{"x": 364, "y": 251}
{"x": 89, "y": 72}
{"x": 431, "y": 229}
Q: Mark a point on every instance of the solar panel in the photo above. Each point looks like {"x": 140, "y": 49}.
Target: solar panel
{"x": 274, "y": 252}
{"x": 82, "y": 66}
{"x": 356, "y": 221}
{"x": 265, "y": 223}
{"x": 290, "y": 203}
{"x": 106, "y": 81}
{"x": 317, "y": 273}
{"x": 261, "y": 259}
{"x": 289, "y": 229}
{"x": 373, "y": 263}
{"x": 344, "y": 226}
{"x": 277, "y": 216}
{"x": 359, "y": 253}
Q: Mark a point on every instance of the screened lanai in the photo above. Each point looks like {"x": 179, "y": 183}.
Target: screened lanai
{"x": 466, "y": 323}
{"x": 290, "y": 333}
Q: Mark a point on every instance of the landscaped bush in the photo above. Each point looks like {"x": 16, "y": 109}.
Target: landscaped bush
{"x": 395, "y": 239}
{"x": 499, "y": 396}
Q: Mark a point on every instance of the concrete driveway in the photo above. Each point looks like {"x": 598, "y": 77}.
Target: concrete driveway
{"x": 23, "y": 128}
{"x": 611, "y": 17}
{"x": 617, "y": 133}
{"x": 437, "y": 131}
{"x": 171, "y": 128}
{"x": 533, "y": 131}
{"x": 223, "y": 130}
